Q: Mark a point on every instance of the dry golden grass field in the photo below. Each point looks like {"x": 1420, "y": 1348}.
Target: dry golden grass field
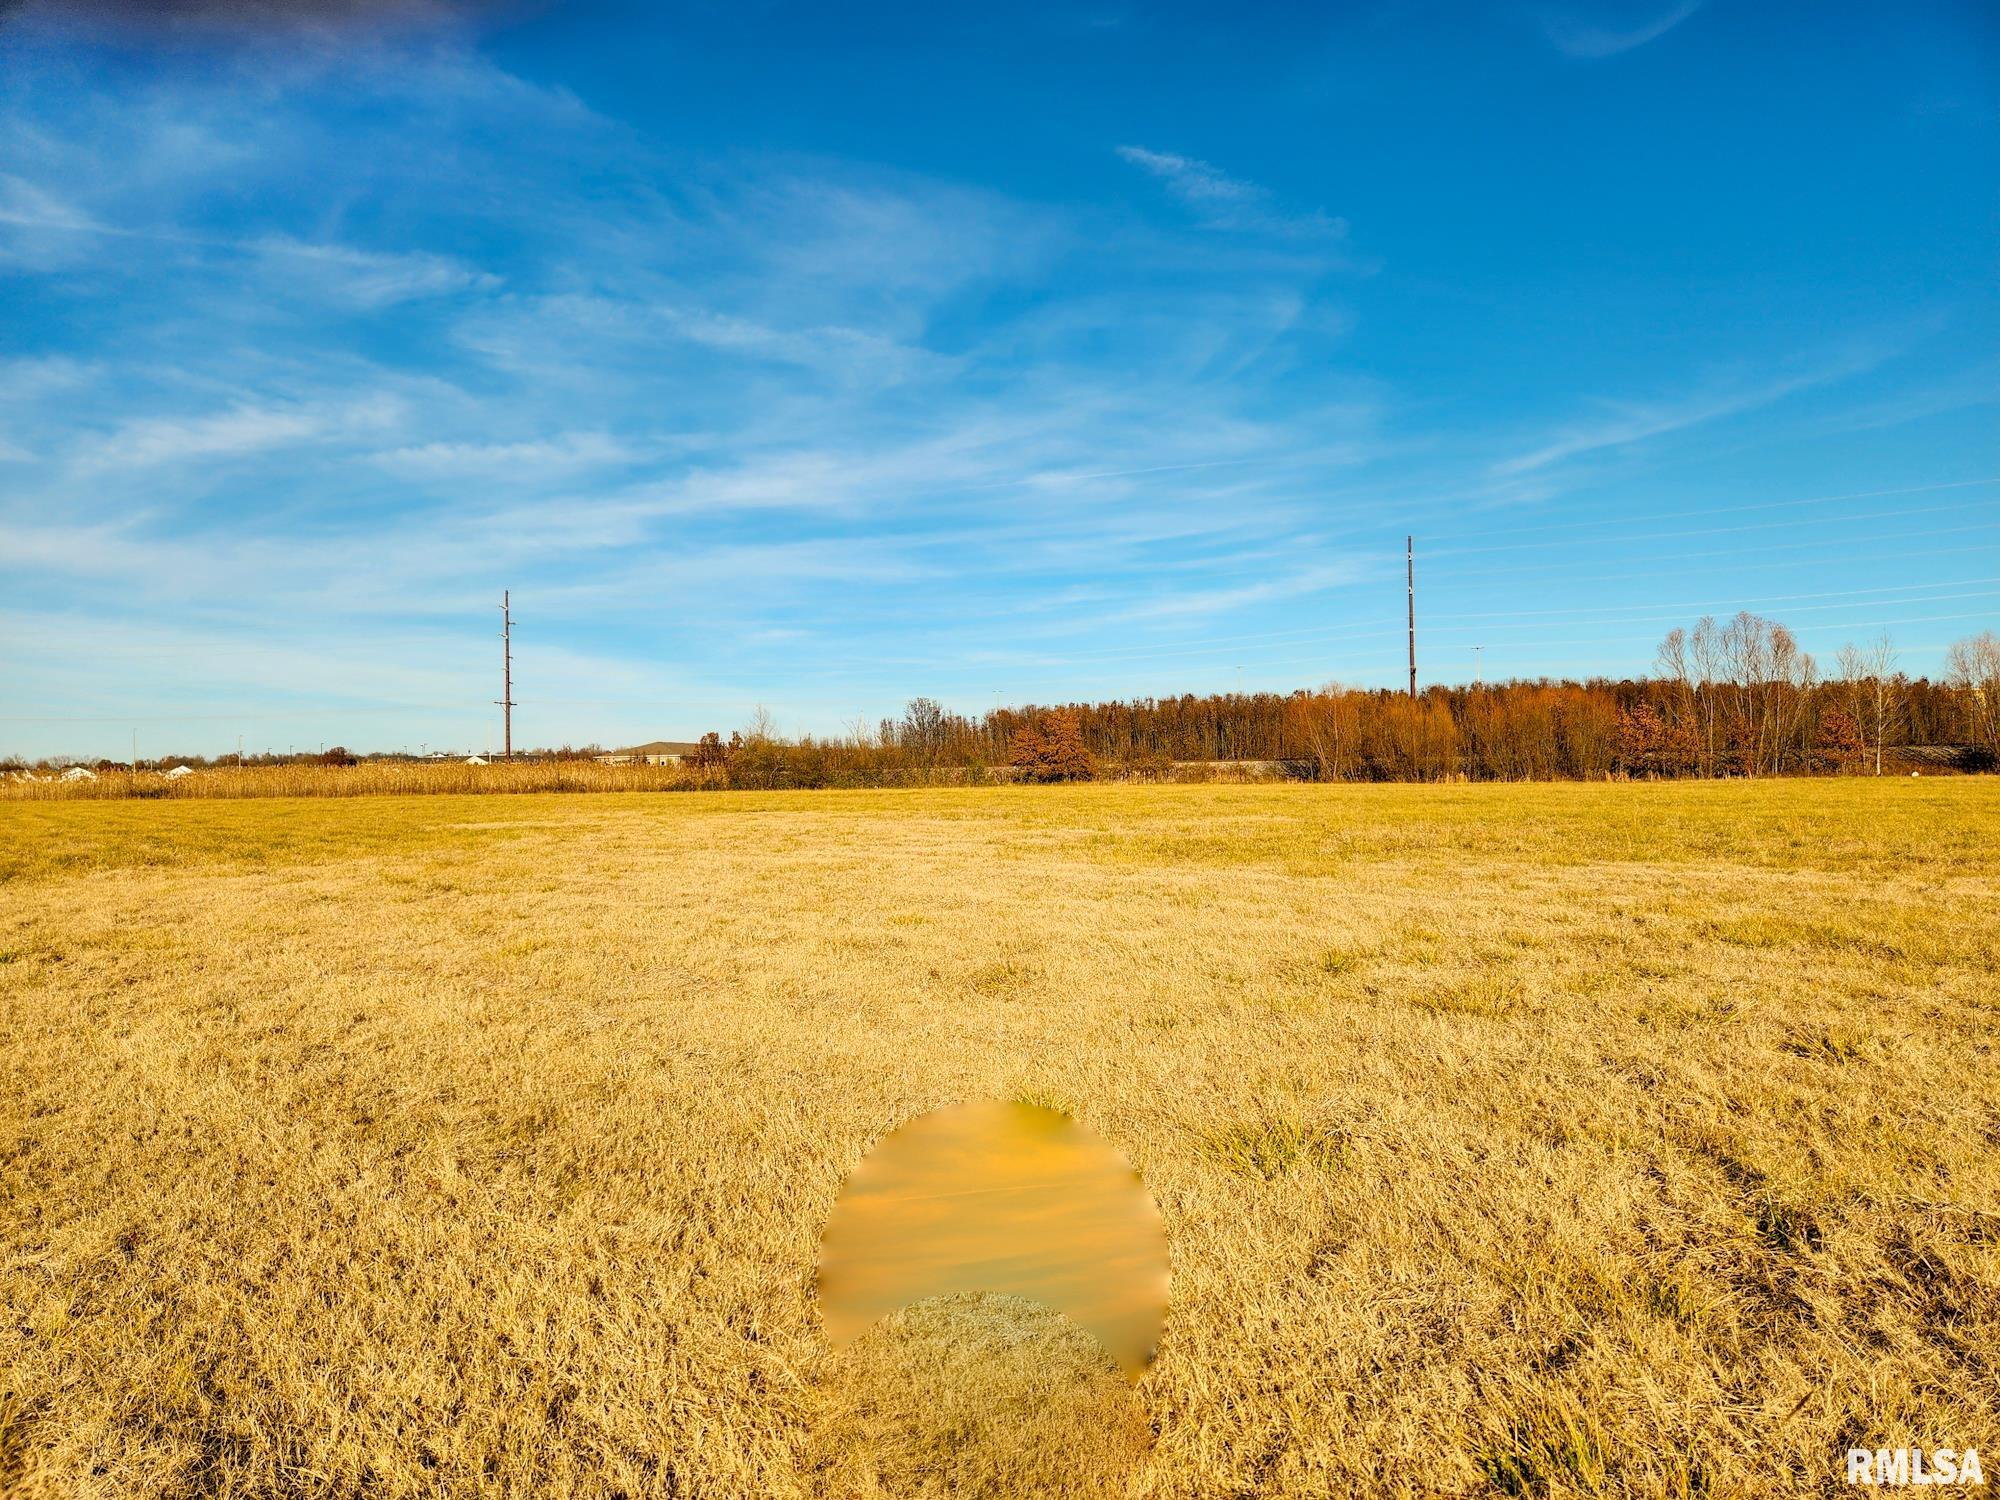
{"x": 1547, "y": 1140}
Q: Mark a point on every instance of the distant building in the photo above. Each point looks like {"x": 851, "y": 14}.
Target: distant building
{"x": 653, "y": 753}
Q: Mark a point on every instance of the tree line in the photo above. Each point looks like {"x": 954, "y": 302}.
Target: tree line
{"x": 1731, "y": 698}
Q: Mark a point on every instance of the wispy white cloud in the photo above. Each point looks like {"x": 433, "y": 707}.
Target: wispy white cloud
{"x": 242, "y": 430}
{"x": 55, "y": 229}
{"x": 564, "y": 454}
{"x": 845, "y": 230}
{"x": 1221, "y": 201}
{"x": 161, "y": 440}
{"x": 1193, "y": 182}
{"x": 1978, "y": 386}
{"x": 368, "y": 278}
{"x": 1589, "y": 40}
{"x": 1628, "y": 422}
{"x": 43, "y": 375}
{"x": 838, "y": 350}
{"x": 29, "y": 205}
{"x": 1184, "y": 603}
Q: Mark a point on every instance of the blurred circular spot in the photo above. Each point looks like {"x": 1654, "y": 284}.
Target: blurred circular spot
{"x": 1001, "y": 1198}
{"x": 975, "y": 1395}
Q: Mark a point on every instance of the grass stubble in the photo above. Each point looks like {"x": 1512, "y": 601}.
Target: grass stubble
{"x": 1551, "y": 1140}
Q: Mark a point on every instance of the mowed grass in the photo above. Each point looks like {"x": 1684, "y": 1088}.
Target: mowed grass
{"x": 1551, "y": 1140}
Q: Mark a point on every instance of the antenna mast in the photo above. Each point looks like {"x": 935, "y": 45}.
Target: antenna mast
{"x": 1410, "y": 581}
{"x": 507, "y": 674}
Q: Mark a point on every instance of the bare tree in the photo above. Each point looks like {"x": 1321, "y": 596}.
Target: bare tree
{"x": 1770, "y": 683}
{"x": 1324, "y": 723}
{"x": 1874, "y": 691}
{"x": 1744, "y": 648}
{"x": 1705, "y": 657}
{"x": 1852, "y": 666}
{"x": 923, "y": 730}
{"x": 1675, "y": 667}
{"x": 1794, "y": 674}
{"x": 1973, "y": 667}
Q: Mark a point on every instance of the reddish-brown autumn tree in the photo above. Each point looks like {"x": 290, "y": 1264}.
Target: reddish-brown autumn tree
{"x": 1053, "y": 749}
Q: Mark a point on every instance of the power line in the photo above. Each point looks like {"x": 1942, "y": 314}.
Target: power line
{"x": 1762, "y": 559}
{"x": 1653, "y": 536}
{"x": 1765, "y": 557}
{"x": 1532, "y": 619}
{"x": 96, "y": 639}
{"x": 1730, "y": 510}
{"x": 1342, "y": 635}
{"x": 1317, "y": 660}
{"x": 1621, "y": 640}
{"x": 1581, "y": 621}
{"x": 1758, "y": 599}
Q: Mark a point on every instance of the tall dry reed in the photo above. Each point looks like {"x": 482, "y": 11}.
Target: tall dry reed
{"x": 370, "y": 778}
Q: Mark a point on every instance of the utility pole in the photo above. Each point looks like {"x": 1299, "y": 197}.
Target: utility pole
{"x": 506, "y": 674}
{"x": 1477, "y": 679}
{"x": 1410, "y": 581}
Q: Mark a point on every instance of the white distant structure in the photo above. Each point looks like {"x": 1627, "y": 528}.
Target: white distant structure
{"x": 475, "y": 760}
{"x": 179, "y": 771}
{"x": 653, "y": 753}
{"x": 78, "y": 773}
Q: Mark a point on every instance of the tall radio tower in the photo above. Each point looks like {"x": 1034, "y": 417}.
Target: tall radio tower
{"x": 506, "y": 675}
{"x": 1410, "y": 581}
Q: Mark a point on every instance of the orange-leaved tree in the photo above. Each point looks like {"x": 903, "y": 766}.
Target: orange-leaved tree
{"x": 1053, "y": 749}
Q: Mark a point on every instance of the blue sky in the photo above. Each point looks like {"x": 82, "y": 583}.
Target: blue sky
{"x": 818, "y": 357}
